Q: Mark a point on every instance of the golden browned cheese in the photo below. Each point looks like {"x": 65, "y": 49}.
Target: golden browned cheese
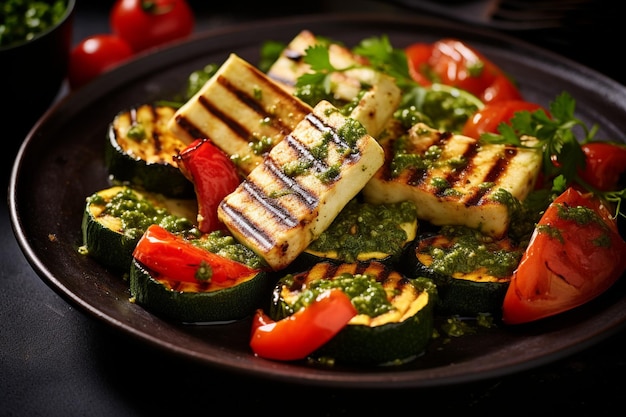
{"x": 242, "y": 111}
{"x": 461, "y": 185}
{"x": 279, "y": 208}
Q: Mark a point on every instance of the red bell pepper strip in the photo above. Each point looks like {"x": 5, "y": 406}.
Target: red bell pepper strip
{"x": 297, "y": 336}
{"x": 213, "y": 175}
{"x": 177, "y": 259}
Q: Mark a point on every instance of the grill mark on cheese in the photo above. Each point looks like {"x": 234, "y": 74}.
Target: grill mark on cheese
{"x": 250, "y": 229}
{"x": 496, "y": 171}
{"x": 269, "y": 204}
{"x": 295, "y": 188}
{"x": 251, "y": 102}
{"x": 458, "y": 177}
{"x": 304, "y": 154}
{"x": 191, "y": 129}
{"x": 324, "y": 128}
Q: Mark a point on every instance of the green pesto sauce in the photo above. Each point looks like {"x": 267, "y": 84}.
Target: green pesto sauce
{"x": 446, "y": 109}
{"x": 138, "y": 213}
{"x": 261, "y": 146}
{"x": 361, "y": 228}
{"x": 368, "y": 295}
{"x": 226, "y": 246}
{"x": 404, "y": 158}
{"x": 23, "y": 20}
{"x": 137, "y": 132}
{"x": 350, "y": 132}
{"x": 580, "y": 215}
{"x": 472, "y": 250}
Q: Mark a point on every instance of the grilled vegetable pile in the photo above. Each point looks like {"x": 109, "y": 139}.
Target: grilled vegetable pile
{"x": 345, "y": 198}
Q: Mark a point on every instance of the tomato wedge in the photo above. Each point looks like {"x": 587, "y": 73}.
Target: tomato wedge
{"x": 605, "y": 164}
{"x": 452, "y": 62}
{"x": 214, "y": 176}
{"x": 178, "y": 259}
{"x": 297, "y": 336}
{"x": 575, "y": 254}
{"x": 487, "y": 119}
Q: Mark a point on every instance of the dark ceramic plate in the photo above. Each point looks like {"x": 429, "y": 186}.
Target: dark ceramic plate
{"x": 61, "y": 162}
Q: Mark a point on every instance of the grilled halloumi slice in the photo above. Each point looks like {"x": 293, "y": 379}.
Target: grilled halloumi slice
{"x": 242, "y": 111}
{"x": 302, "y": 185}
{"x": 453, "y": 179}
{"x": 374, "y": 108}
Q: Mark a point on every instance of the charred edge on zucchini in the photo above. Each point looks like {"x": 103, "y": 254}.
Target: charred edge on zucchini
{"x": 140, "y": 151}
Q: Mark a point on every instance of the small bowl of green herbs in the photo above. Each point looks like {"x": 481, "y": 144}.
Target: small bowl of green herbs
{"x": 35, "y": 44}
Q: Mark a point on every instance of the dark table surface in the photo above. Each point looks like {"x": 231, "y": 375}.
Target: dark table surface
{"x": 55, "y": 360}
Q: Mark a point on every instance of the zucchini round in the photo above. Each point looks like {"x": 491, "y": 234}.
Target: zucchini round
{"x": 140, "y": 151}
{"x": 364, "y": 232}
{"x": 395, "y": 321}
{"x": 471, "y": 271}
{"x": 115, "y": 218}
{"x": 199, "y": 302}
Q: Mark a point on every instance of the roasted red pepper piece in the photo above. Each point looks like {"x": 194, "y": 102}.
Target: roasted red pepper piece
{"x": 177, "y": 259}
{"x": 214, "y": 176}
{"x": 297, "y": 336}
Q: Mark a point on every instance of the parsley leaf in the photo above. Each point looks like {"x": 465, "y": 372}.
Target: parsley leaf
{"x": 385, "y": 58}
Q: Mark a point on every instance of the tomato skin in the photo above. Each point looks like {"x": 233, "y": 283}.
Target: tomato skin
{"x": 457, "y": 64}
{"x": 418, "y": 56}
{"x": 94, "y": 55}
{"x": 179, "y": 260}
{"x": 146, "y": 24}
{"x": 487, "y": 119}
{"x": 500, "y": 89}
{"x": 567, "y": 268}
{"x": 300, "y": 334}
{"x": 214, "y": 176}
{"x": 605, "y": 163}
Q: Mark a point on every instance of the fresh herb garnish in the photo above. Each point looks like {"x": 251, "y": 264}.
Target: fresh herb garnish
{"x": 563, "y": 156}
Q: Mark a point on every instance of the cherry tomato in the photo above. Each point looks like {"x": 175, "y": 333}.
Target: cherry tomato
{"x": 95, "y": 55}
{"x": 418, "y": 56}
{"x": 300, "y": 334}
{"x": 487, "y": 119}
{"x": 605, "y": 163}
{"x": 179, "y": 260}
{"x": 145, "y": 24}
{"x": 214, "y": 176}
{"x": 455, "y": 63}
{"x": 575, "y": 254}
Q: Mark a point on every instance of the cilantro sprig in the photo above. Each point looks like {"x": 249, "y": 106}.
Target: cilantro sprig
{"x": 556, "y": 134}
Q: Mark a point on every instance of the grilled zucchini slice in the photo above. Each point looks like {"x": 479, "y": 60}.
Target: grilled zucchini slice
{"x": 115, "y": 218}
{"x": 472, "y": 271}
{"x": 395, "y": 316}
{"x": 203, "y": 301}
{"x": 140, "y": 151}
